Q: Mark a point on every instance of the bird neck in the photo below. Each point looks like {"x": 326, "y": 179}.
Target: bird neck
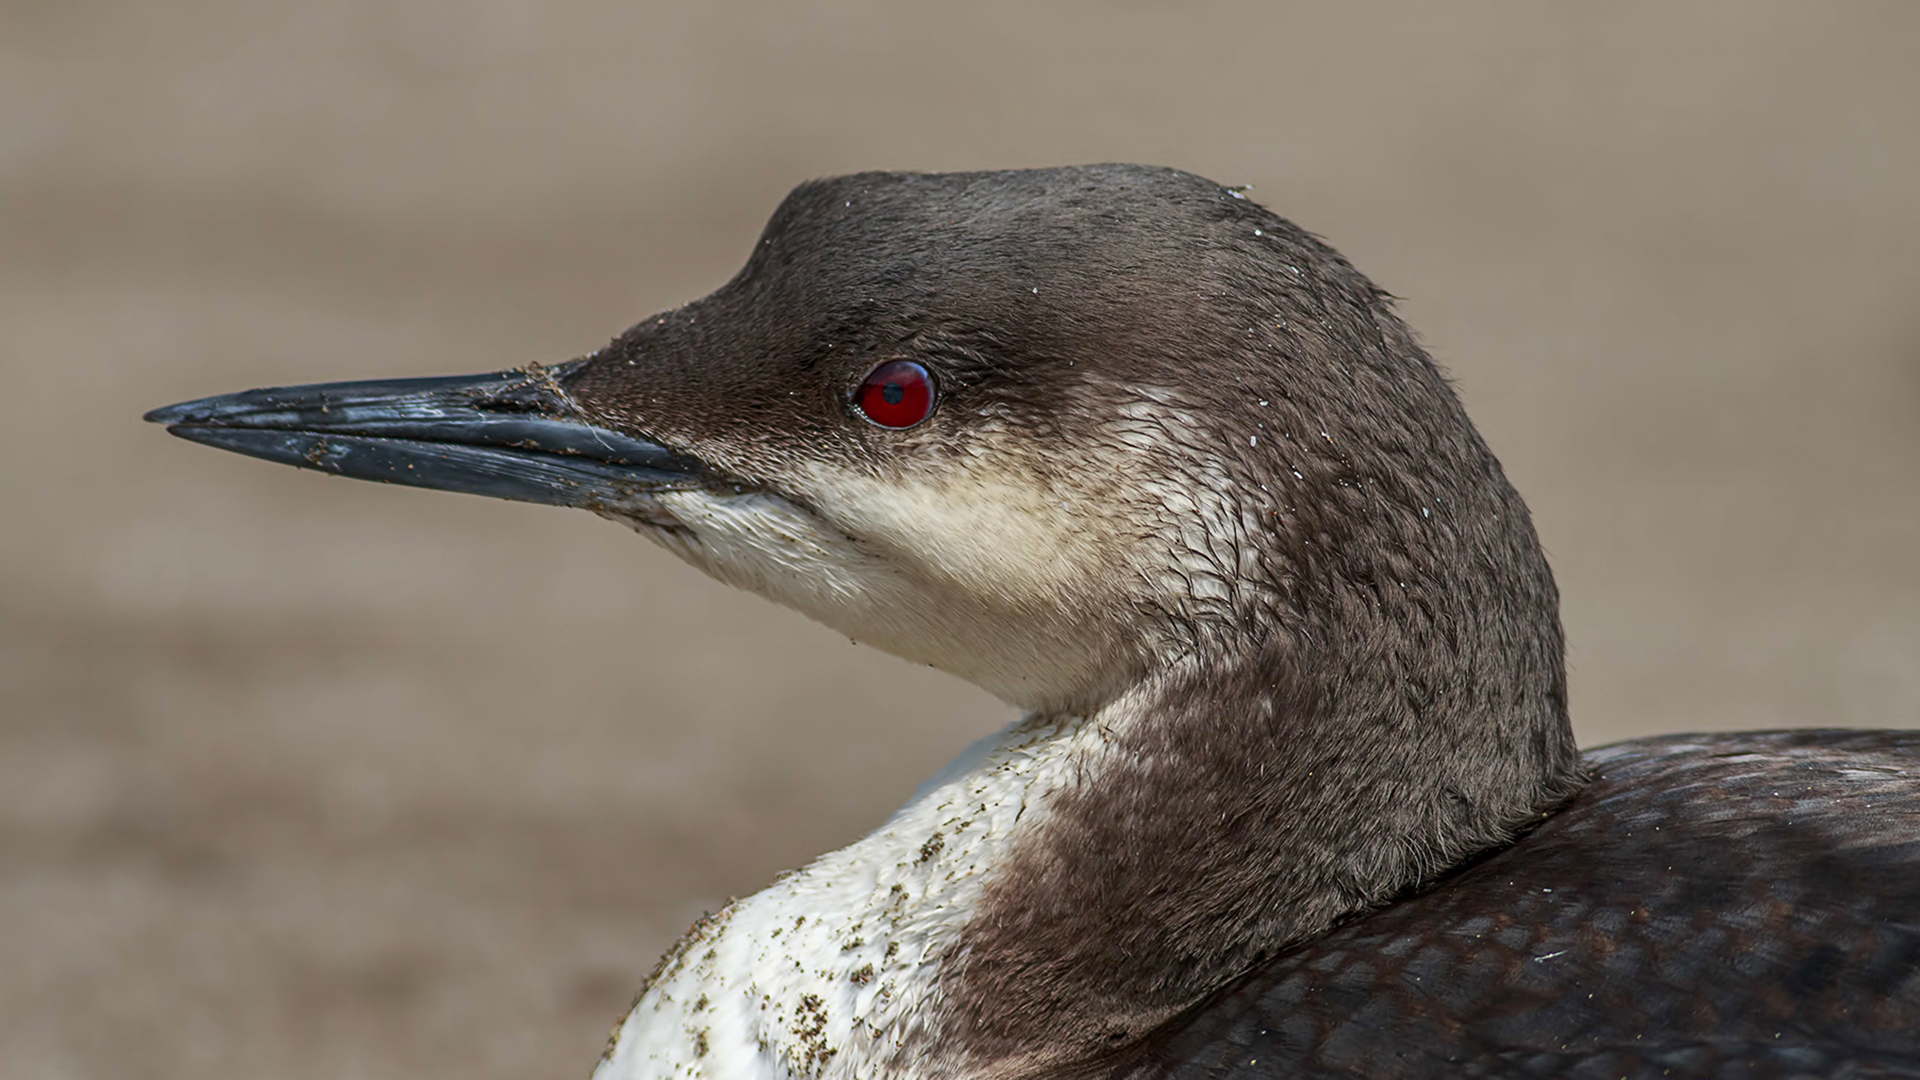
{"x": 1075, "y": 881}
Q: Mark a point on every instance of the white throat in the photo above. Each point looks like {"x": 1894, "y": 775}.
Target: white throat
{"x": 833, "y": 970}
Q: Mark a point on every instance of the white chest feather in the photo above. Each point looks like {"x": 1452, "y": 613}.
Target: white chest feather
{"x": 833, "y": 971}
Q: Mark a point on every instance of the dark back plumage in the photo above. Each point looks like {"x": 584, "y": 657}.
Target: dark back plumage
{"x": 1722, "y": 905}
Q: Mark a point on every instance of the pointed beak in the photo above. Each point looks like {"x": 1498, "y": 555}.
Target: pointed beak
{"x": 506, "y": 434}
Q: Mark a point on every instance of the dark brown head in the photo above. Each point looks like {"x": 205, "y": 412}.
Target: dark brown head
{"x": 1166, "y": 424}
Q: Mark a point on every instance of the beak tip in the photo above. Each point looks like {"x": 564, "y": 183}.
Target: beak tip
{"x": 185, "y": 412}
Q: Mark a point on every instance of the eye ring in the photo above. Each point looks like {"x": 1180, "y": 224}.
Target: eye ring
{"x": 898, "y": 394}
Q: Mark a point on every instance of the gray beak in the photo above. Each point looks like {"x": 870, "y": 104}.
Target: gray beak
{"x": 507, "y": 434}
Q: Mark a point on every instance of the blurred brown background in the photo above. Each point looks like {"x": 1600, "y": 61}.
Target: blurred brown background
{"x": 308, "y": 778}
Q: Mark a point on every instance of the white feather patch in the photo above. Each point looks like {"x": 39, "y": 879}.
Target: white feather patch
{"x": 833, "y": 971}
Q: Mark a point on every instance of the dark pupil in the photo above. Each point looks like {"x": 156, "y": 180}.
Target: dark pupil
{"x": 892, "y": 393}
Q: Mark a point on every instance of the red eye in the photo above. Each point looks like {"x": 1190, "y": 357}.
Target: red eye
{"x": 897, "y": 394}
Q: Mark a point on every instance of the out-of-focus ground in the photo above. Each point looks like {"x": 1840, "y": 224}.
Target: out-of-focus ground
{"x": 309, "y": 778}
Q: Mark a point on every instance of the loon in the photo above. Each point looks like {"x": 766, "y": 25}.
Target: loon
{"x": 1295, "y": 792}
